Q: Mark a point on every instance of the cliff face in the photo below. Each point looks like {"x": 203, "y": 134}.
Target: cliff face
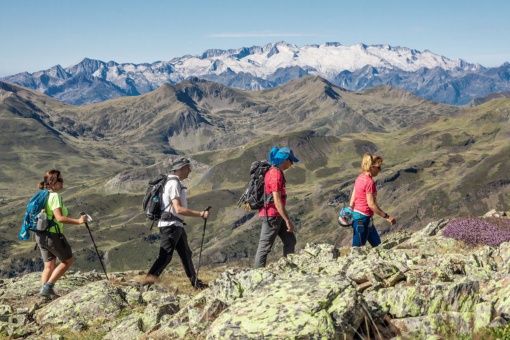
{"x": 413, "y": 285}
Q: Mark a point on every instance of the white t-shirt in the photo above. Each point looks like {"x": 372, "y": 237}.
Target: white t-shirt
{"x": 170, "y": 193}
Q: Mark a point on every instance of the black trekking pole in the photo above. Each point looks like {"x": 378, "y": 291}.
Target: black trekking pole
{"x": 201, "y": 245}
{"x": 89, "y": 219}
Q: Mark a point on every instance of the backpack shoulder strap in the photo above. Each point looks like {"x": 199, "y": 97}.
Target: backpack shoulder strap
{"x": 283, "y": 175}
{"x": 178, "y": 183}
{"x": 53, "y": 222}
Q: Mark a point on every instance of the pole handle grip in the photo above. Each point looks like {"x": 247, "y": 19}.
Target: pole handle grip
{"x": 89, "y": 219}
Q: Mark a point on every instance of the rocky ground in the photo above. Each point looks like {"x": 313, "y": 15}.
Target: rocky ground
{"x": 414, "y": 286}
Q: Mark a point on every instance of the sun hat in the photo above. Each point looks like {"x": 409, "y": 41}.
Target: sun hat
{"x": 278, "y": 156}
{"x": 179, "y": 163}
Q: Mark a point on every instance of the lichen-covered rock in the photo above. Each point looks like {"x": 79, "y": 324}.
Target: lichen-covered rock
{"x": 395, "y": 239}
{"x": 82, "y": 307}
{"x": 131, "y": 327}
{"x": 231, "y": 284}
{"x": 347, "y": 313}
{"x": 412, "y": 301}
{"x": 502, "y": 257}
{"x": 419, "y": 285}
{"x": 445, "y": 324}
{"x": 156, "y": 310}
{"x": 27, "y": 286}
{"x": 313, "y": 259}
{"x": 281, "y": 308}
{"x": 430, "y": 230}
{"x": 5, "y": 312}
{"x": 498, "y": 292}
{"x": 374, "y": 270}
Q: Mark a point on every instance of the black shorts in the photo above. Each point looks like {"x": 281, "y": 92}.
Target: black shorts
{"x": 53, "y": 245}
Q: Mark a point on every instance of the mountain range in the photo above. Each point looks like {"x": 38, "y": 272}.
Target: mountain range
{"x": 355, "y": 68}
{"x": 439, "y": 160}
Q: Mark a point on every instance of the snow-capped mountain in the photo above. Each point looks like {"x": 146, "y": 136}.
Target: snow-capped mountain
{"x": 353, "y": 67}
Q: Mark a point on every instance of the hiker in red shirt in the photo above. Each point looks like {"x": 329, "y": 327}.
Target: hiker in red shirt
{"x": 275, "y": 220}
{"x": 364, "y": 203}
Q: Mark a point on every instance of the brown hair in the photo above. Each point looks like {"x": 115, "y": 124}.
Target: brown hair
{"x": 49, "y": 180}
{"x": 369, "y": 161}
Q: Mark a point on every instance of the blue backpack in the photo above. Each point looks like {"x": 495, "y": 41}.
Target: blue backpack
{"x": 345, "y": 218}
{"x": 34, "y": 207}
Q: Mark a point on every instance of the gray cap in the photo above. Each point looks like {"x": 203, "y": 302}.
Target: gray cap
{"x": 179, "y": 163}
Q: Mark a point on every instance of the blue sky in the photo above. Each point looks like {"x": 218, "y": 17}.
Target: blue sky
{"x": 38, "y": 34}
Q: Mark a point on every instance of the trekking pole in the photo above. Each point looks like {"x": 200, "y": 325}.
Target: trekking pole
{"x": 201, "y": 245}
{"x": 89, "y": 219}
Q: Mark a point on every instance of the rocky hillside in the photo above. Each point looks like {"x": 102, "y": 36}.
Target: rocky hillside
{"x": 415, "y": 285}
{"x": 438, "y": 161}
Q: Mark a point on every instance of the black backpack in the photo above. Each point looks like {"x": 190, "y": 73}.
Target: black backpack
{"x": 254, "y": 197}
{"x": 153, "y": 198}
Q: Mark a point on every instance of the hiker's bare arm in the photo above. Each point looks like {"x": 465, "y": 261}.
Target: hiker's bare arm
{"x": 179, "y": 209}
{"x": 57, "y": 213}
{"x": 278, "y": 203}
{"x": 372, "y": 204}
{"x": 351, "y": 203}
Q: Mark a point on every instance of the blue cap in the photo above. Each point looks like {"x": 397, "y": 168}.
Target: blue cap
{"x": 278, "y": 156}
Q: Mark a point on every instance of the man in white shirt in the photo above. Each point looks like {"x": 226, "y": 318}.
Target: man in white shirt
{"x": 171, "y": 225}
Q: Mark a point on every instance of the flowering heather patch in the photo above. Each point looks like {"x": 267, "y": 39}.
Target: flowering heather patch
{"x": 479, "y": 231}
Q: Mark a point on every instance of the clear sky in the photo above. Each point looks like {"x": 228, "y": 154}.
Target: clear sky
{"x": 38, "y": 34}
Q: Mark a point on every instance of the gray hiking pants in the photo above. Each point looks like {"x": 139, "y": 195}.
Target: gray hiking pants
{"x": 268, "y": 233}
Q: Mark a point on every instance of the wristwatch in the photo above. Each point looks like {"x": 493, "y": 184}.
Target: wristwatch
{"x": 386, "y": 215}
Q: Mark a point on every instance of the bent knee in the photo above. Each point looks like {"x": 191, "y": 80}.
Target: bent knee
{"x": 69, "y": 261}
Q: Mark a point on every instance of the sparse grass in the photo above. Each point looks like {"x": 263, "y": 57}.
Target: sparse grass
{"x": 175, "y": 281}
{"x": 90, "y": 333}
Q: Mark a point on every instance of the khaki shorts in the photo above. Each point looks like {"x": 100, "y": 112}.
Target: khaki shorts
{"x": 53, "y": 246}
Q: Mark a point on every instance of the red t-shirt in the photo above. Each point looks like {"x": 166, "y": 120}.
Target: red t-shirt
{"x": 274, "y": 181}
{"x": 363, "y": 185}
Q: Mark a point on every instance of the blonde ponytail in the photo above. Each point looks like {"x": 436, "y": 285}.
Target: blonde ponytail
{"x": 369, "y": 161}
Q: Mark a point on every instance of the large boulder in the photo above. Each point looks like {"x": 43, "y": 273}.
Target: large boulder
{"x": 286, "y": 306}
{"x": 83, "y": 307}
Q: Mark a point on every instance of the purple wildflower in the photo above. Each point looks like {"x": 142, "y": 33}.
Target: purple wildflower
{"x": 479, "y": 231}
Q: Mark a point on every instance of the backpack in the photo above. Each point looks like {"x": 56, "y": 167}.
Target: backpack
{"x": 34, "y": 207}
{"x": 153, "y": 198}
{"x": 345, "y": 218}
{"x": 254, "y": 196}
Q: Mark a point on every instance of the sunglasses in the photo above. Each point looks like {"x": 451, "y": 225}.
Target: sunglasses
{"x": 61, "y": 180}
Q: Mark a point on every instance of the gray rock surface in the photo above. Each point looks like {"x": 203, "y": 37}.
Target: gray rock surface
{"x": 419, "y": 285}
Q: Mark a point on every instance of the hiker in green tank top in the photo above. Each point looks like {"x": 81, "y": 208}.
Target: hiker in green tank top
{"x": 53, "y": 243}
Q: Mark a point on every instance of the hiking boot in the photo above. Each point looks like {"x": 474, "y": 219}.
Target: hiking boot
{"x": 198, "y": 284}
{"x": 149, "y": 280}
{"x": 48, "y": 293}
{"x": 148, "y": 286}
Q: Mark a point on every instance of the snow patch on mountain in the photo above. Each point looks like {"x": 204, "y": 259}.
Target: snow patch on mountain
{"x": 354, "y": 67}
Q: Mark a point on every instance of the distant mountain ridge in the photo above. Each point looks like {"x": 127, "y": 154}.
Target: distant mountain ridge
{"x": 355, "y": 67}
{"x": 219, "y": 116}
{"x": 490, "y": 96}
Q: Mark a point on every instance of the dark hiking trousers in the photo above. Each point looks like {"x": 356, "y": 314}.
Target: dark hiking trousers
{"x": 364, "y": 230}
{"x": 173, "y": 238}
{"x": 268, "y": 233}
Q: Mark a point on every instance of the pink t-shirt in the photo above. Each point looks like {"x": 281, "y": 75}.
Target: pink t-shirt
{"x": 363, "y": 185}
{"x": 274, "y": 181}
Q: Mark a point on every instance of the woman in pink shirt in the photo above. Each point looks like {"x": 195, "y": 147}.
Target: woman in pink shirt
{"x": 364, "y": 203}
